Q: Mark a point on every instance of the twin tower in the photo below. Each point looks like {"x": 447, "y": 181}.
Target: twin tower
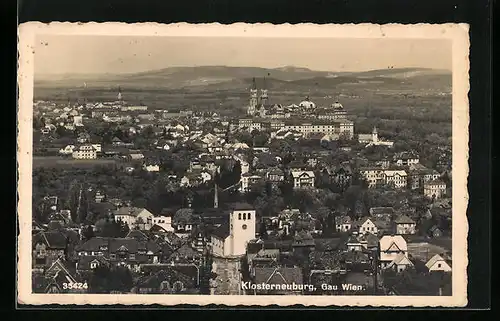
{"x": 255, "y": 99}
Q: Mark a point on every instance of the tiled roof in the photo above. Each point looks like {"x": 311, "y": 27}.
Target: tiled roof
{"x": 403, "y": 219}
{"x": 132, "y": 211}
{"x": 278, "y": 275}
{"x": 240, "y": 206}
{"x": 53, "y": 239}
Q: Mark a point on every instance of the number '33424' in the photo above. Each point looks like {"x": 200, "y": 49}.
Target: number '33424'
{"x": 75, "y": 286}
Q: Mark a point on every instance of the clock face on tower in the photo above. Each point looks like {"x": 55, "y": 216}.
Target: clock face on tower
{"x": 244, "y": 226}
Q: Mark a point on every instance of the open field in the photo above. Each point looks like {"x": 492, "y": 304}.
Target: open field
{"x": 60, "y": 162}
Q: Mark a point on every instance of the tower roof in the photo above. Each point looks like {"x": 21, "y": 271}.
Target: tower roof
{"x": 254, "y": 85}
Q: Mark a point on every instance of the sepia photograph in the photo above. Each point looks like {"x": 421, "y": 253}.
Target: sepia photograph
{"x": 243, "y": 164}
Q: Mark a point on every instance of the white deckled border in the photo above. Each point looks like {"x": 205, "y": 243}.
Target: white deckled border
{"x": 457, "y": 33}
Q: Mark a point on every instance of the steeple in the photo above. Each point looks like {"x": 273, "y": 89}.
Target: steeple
{"x": 263, "y": 94}
{"x": 119, "y": 94}
{"x": 375, "y": 134}
{"x": 216, "y": 196}
{"x": 253, "y": 99}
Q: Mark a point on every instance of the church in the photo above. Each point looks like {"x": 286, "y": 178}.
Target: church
{"x": 232, "y": 237}
{"x": 258, "y": 103}
{"x": 373, "y": 139}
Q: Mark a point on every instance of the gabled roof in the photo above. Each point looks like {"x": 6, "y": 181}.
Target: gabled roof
{"x": 401, "y": 259}
{"x": 392, "y": 242}
{"x": 298, "y": 174}
{"x": 436, "y": 258}
{"x": 94, "y": 244}
{"x": 241, "y": 206}
{"x": 52, "y": 239}
{"x": 279, "y": 275}
{"x": 403, "y": 219}
{"x": 132, "y": 211}
{"x": 345, "y": 219}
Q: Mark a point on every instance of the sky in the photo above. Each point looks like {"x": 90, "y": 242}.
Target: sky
{"x": 58, "y": 54}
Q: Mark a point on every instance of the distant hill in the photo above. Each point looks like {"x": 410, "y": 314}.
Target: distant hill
{"x": 240, "y": 78}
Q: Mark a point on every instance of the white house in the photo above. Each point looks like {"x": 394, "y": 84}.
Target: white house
{"x": 151, "y": 167}
{"x": 164, "y": 222}
{"x": 390, "y": 246}
{"x": 303, "y": 179}
{"x": 68, "y": 150}
{"x": 404, "y": 225}
{"x": 435, "y": 189}
{"x": 381, "y": 176}
{"x": 400, "y": 263}
{"x": 366, "y": 226}
{"x": 135, "y": 217}
{"x": 231, "y": 238}
{"x": 85, "y": 152}
{"x": 437, "y": 263}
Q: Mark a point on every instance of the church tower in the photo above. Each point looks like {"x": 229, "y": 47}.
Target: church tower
{"x": 264, "y": 99}
{"x": 374, "y": 135}
{"x": 119, "y": 94}
{"x": 241, "y": 229}
{"x": 252, "y": 107}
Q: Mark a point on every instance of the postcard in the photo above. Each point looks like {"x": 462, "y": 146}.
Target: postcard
{"x": 243, "y": 164}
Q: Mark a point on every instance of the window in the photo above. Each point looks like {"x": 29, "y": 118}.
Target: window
{"x": 112, "y": 256}
{"x": 93, "y": 265}
{"x": 249, "y": 215}
{"x": 439, "y": 265}
{"x": 244, "y": 216}
{"x": 239, "y": 216}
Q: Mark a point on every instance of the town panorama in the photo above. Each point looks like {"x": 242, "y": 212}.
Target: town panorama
{"x": 320, "y": 185}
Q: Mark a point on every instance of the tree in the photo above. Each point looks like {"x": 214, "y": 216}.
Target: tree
{"x": 88, "y": 233}
{"x": 263, "y": 230}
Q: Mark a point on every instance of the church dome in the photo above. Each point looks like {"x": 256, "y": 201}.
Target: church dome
{"x": 337, "y": 105}
{"x": 307, "y": 103}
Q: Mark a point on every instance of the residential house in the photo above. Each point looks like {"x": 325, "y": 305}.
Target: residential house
{"x": 185, "y": 254}
{"x": 275, "y": 175}
{"x": 247, "y": 180}
{"x": 135, "y": 217}
{"x": 365, "y": 225}
{"x": 382, "y": 176}
{"x": 129, "y": 252}
{"x": 390, "y": 246}
{"x": 168, "y": 280}
{"x": 435, "y": 232}
{"x": 400, "y": 263}
{"x": 57, "y": 277}
{"x": 151, "y": 166}
{"x": 303, "y": 179}
{"x": 47, "y": 248}
{"x": 165, "y": 222}
{"x": 435, "y": 189}
{"x": 406, "y": 159}
{"x": 404, "y": 225}
{"x": 419, "y": 175}
{"x": 90, "y": 263}
{"x": 382, "y": 213}
{"x": 343, "y": 223}
{"x": 183, "y": 221}
{"x": 277, "y": 281}
{"x": 136, "y": 156}
{"x": 85, "y": 152}
{"x": 437, "y": 263}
